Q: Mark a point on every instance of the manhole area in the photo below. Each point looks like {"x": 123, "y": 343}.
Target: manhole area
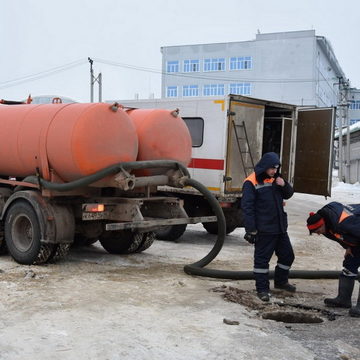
{"x": 283, "y": 307}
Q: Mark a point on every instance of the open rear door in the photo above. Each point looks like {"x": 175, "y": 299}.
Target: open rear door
{"x": 286, "y": 148}
{"x": 244, "y": 141}
{"x": 314, "y": 149}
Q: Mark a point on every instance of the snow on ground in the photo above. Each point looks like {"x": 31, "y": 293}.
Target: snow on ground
{"x": 93, "y": 305}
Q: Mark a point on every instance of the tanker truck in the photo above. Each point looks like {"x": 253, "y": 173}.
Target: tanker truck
{"x": 230, "y": 134}
{"x": 89, "y": 171}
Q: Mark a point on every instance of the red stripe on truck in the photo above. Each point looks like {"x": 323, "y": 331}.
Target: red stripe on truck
{"x": 212, "y": 164}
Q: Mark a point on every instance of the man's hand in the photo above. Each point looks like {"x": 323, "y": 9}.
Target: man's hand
{"x": 250, "y": 237}
{"x": 280, "y": 181}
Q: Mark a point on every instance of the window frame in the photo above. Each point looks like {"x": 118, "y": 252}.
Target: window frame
{"x": 190, "y": 89}
{"x": 243, "y": 86}
{"x": 174, "y": 88}
{"x": 188, "y": 65}
{"x": 237, "y": 63}
{"x": 210, "y": 88}
{"x": 212, "y": 64}
{"x": 187, "y": 118}
{"x": 354, "y": 105}
{"x": 168, "y": 65}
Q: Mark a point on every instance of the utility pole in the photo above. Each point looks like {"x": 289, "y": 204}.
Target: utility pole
{"x": 344, "y": 122}
{"x": 340, "y": 155}
{"x": 93, "y": 80}
{"x": 347, "y": 122}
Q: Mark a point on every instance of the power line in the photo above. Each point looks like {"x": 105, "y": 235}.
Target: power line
{"x": 202, "y": 77}
{"x": 42, "y": 74}
{"x": 68, "y": 66}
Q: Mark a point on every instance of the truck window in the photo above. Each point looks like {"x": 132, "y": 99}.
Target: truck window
{"x": 196, "y": 128}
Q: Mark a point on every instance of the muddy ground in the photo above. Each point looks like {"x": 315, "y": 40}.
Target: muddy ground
{"x": 93, "y": 305}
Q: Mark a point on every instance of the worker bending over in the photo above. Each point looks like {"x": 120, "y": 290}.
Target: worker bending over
{"x": 341, "y": 223}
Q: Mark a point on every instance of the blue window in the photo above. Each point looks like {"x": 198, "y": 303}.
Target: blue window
{"x": 240, "y": 89}
{"x": 241, "y": 63}
{"x": 354, "y": 121}
{"x": 172, "y": 66}
{"x": 171, "y": 91}
{"x": 214, "y": 89}
{"x": 215, "y": 64}
{"x": 191, "y": 65}
{"x": 355, "y": 105}
{"x": 190, "y": 90}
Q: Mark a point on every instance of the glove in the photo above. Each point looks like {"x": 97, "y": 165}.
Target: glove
{"x": 250, "y": 237}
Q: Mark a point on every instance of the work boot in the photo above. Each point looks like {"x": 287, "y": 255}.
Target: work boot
{"x": 287, "y": 287}
{"x": 264, "y": 296}
{"x": 343, "y": 299}
{"x": 355, "y": 310}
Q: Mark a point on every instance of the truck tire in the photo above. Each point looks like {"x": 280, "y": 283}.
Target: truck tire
{"x": 82, "y": 240}
{"x": 3, "y": 247}
{"x": 5, "y": 193}
{"x": 23, "y": 237}
{"x": 121, "y": 241}
{"x": 59, "y": 252}
{"x": 233, "y": 218}
{"x": 212, "y": 228}
{"x": 87, "y": 233}
{"x": 147, "y": 240}
{"x": 170, "y": 233}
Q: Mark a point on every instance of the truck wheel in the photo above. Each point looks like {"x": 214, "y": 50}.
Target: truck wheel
{"x": 171, "y": 233}
{"x": 121, "y": 241}
{"x": 212, "y": 228}
{"x": 3, "y": 247}
{"x": 87, "y": 233}
{"x": 59, "y": 252}
{"x": 82, "y": 240}
{"x": 148, "y": 239}
{"x": 233, "y": 218}
{"x": 22, "y": 233}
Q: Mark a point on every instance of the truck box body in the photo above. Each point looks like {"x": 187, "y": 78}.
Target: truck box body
{"x": 222, "y": 157}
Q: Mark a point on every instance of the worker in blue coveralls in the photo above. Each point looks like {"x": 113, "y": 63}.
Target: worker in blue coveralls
{"x": 341, "y": 223}
{"x": 262, "y": 202}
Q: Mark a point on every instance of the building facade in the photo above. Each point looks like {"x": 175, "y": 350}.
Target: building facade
{"x": 354, "y": 106}
{"x": 293, "y": 67}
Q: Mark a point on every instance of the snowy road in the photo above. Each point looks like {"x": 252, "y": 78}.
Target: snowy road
{"x": 94, "y": 305}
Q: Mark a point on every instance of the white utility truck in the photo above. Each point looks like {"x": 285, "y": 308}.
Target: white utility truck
{"x": 231, "y": 133}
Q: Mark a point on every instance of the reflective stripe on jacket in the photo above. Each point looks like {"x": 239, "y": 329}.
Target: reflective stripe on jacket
{"x": 342, "y": 224}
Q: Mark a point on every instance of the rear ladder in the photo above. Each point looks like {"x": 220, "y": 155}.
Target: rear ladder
{"x": 244, "y": 147}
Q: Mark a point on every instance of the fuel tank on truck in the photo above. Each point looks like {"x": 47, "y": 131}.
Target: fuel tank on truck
{"x": 74, "y": 140}
{"x": 162, "y": 135}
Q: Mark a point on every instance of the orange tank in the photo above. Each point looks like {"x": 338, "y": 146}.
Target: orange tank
{"x": 162, "y": 135}
{"x": 74, "y": 140}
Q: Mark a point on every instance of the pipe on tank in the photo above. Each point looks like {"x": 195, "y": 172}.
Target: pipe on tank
{"x": 111, "y": 170}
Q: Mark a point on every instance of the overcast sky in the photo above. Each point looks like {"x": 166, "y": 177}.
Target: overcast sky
{"x": 45, "y": 43}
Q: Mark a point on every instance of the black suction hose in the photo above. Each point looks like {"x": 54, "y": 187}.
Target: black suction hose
{"x": 198, "y": 269}
{"x": 111, "y": 170}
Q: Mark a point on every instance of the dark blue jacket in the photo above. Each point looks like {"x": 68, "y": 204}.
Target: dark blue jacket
{"x": 342, "y": 223}
{"x": 263, "y": 201}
